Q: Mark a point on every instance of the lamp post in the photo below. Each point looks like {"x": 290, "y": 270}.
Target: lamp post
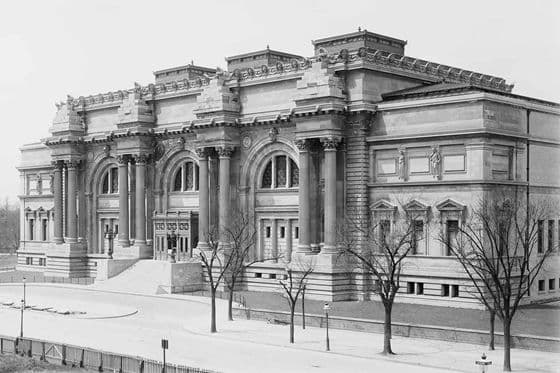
{"x": 110, "y": 236}
{"x": 327, "y": 307}
{"x": 164, "y": 346}
{"x": 22, "y": 308}
{"x": 483, "y": 363}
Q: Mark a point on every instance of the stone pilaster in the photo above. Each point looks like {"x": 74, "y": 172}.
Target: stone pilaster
{"x": 330, "y": 149}
{"x": 203, "y": 202}
{"x": 124, "y": 237}
{"x": 304, "y": 189}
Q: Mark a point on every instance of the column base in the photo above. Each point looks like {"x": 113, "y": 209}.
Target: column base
{"x": 303, "y": 249}
{"x": 203, "y": 246}
{"x": 329, "y": 250}
{"x": 124, "y": 243}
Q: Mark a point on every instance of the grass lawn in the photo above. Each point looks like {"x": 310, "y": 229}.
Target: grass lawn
{"x": 8, "y": 260}
{"x": 14, "y": 363}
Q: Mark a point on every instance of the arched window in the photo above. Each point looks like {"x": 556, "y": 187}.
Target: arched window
{"x": 186, "y": 178}
{"x": 280, "y": 172}
{"x": 110, "y": 181}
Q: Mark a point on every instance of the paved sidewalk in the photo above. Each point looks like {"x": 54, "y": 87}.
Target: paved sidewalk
{"x": 540, "y": 320}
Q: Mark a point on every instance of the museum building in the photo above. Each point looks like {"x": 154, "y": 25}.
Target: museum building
{"x": 301, "y": 143}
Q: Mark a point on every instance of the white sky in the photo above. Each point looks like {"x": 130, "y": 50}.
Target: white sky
{"x": 53, "y": 48}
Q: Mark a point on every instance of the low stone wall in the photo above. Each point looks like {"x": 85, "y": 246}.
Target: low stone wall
{"x": 405, "y": 330}
{"x": 107, "y": 268}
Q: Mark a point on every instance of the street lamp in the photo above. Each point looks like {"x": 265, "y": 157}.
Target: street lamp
{"x": 483, "y": 363}
{"x": 22, "y": 308}
{"x": 110, "y": 236}
{"x": 327, "y": 307}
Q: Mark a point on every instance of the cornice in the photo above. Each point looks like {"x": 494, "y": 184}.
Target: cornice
{"x": 440, "y": 183}
{"x": 449, "y": 134}
{"x": 462, "y": 97}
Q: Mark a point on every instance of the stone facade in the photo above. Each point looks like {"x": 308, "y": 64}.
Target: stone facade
{"x": 302, "y": 143}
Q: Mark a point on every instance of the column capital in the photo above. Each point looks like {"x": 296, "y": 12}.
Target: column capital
{"x": 141, "y": 158}
{"x": 202, "y": 153}
{"x": 330, "y": 143}
{"x": 303, "y": 145}
{"x": 225, "y": 151}
{"x": 123, "y": 159}
{"x": 72, "y": 164}
{"x": 57, "y": 164}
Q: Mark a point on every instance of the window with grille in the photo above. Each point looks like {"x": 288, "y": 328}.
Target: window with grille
{"x": 280, "y": 172}
{"x": 110, "y": 182}
{"x": 186, "y": 177}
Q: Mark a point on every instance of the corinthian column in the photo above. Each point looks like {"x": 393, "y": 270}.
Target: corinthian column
{"x": 140, "y": 232}
{"x": 304, "y": 208}
{"x": 330, "y": 144}
{"x": 71, "y": 210}
{"x": 203, "y": 205}
{"x": 57, "y": 191}
{"x": 224, "y": 154}
{"x": 124, "y": 238}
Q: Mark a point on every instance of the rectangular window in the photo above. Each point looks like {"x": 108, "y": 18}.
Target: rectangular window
{"x": 384, "y": 230}
{"x": 296, "y": 233}
{"x": 444, "y": 290}
{"x": 258, "y": 275}
{"x": 31, "y": 229}
{"x": 551, "y": 284}
{"x": 282, "y": 232}
{"x": 550, "y": 235}
{"x": 451, "y": 234}
{"x": 454, "y": 291}
{"x": 114, "y": 180}
{"x": 541, "y": 285}
{"x": 418, "y": 236}
{"x": 44, "y": 229}
{"x": 29, "y": 261}
{"x": 540, "y": 236}
{"x": 419, "y": 288}
{"x": 267, "y": 232}
{"x": 273, "y": 276}
{"x": 410, "y": 287}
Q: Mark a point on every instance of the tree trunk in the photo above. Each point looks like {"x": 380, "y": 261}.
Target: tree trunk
{"x": 492, "y": 320}
{"x": 213, "y": 306}
{"x": 387, "y": 331}
{"x": 507, "y": 344}
{"x": 292, "y": 312}
{"x": 230, "y": 304}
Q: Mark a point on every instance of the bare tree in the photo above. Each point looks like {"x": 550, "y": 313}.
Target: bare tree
{"x": 502, "y": 252}
{"x": 9, "y": 226}
{"x": 295, "y": 280}
{"x": 380, "y": 249}
{"x": 216, "y": 262}
{"x": 240, "y": 234}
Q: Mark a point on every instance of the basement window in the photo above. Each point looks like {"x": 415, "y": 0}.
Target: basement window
{"x": 444, "y": 290}
{"x": 258, "y": 275}
{"x": 454, "y": 291}
{"x": 420, "y": 288}
{"x": 410, "y": 287}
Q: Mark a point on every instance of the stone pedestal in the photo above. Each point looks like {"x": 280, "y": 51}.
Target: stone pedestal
{"x": 67, "y": 259}
{"x": 180, "y": 277}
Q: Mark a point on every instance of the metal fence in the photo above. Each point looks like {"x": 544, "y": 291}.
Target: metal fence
{"x": 75, "y": 356}
{"x": 17, "y": 277}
